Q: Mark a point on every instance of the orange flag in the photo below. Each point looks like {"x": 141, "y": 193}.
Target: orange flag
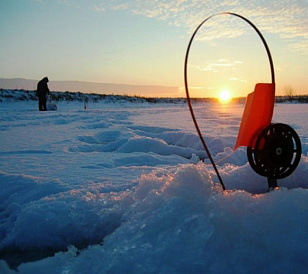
{"x": 257, "y": 114}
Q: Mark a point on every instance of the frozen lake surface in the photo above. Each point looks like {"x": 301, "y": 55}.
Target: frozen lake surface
{"x": 120, "y": 188}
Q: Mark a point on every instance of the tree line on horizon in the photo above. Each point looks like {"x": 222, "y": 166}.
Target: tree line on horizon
{"x": 30, "y": 95}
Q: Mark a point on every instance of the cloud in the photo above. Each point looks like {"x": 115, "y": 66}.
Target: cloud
{"x": 214, "y": 66}
{"x": 99, "y": 8}
{"x": 286, "y": 19}
{"x": 236, "y": 79}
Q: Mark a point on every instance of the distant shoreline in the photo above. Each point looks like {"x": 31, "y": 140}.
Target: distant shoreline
{"x": 91, "y": 87}
{"x": 17, "y": 95}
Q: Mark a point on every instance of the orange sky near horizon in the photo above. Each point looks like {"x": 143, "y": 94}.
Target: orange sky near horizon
{"x": 144, "y": 43}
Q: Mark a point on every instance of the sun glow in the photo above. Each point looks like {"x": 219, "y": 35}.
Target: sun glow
{"x": 225, "y": 96}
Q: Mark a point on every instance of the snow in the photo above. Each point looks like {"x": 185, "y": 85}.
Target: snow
{"x": 120, "y": 188}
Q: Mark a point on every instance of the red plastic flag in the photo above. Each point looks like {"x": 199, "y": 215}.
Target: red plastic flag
{"x": 257, "y": 114}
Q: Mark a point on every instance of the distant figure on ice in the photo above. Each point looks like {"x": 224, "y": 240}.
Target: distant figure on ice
{"x": 42, "y": 92}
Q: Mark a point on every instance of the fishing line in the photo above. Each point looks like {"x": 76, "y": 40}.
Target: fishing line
{"x": 225, "y": 157}
{"x": 186, "y": 82}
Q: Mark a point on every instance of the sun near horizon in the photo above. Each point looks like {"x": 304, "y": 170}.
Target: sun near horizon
{"x": 225, "y": 96}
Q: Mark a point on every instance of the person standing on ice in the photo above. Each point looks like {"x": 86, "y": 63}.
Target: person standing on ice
{"x": 42, "y": 92}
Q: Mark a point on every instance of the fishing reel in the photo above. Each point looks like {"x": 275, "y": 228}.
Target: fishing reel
{"x": 273, "y": 150}
{"x": 276, "y": 153}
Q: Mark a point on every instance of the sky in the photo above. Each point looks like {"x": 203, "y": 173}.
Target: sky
{"x": 144, "y": 42}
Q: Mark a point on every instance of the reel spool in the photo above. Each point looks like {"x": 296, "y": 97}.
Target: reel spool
{"x": 276, "y": 153}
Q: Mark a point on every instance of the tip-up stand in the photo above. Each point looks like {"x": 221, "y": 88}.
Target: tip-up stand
{"x": 273, "y": 150}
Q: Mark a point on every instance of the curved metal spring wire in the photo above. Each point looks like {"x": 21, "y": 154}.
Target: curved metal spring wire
{"x": 187, "y": 90}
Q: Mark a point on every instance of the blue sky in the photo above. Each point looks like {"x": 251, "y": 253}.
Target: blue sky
{"x": 144, "y": 43}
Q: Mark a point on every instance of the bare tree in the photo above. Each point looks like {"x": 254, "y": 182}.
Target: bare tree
{"x": 289, "y": 92}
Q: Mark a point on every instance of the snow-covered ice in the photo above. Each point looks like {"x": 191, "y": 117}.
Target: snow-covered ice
{"x": 120, "y": 188}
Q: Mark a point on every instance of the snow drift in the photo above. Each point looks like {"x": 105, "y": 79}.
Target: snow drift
{"x": 127, "y": 188}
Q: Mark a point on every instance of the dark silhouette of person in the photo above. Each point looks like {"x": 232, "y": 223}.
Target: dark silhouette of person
{"x": 42, "y": 92}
